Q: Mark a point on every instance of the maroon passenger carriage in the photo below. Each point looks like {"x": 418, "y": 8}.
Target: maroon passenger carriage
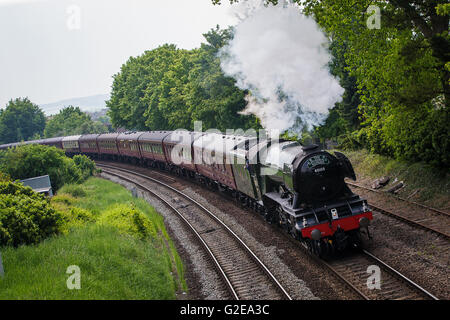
{"x": 107, "y": 146}
{"x": 88, "y": 145}
{"x": 212, "y": 163}
{"x": 128, "y": 146}
{"x": 71, "y": 145}
{"x": 152, "y": 148}
{"x": 178, "y": 150}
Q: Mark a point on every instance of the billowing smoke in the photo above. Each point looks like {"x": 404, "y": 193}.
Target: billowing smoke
{"x": 281, "y": 57}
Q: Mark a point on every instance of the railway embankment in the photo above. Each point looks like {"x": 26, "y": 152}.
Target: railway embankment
{"x": 411, "y": 226}
{"x": 111, "y": 245}
{"x": 417, "y": 182}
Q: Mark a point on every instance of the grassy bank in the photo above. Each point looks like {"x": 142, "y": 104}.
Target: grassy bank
{"x": 423, "y": 183}
{"x": 119, "y": 243}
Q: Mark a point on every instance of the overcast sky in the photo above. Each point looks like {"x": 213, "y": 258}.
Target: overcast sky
{"x": 52, "y": 50}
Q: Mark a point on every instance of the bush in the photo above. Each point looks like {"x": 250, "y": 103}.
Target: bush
{"x": 25, "y": 216}
{"x": 74, "y": 190}
{"x": 65, "y": 199}
{"x": 34, "y": 160}
{"x": 86, "y": 165}
{"x": 74, "y": 217}
{"x": 81, "y": 214}
{"x": 414, "y": 134}
{"x": 4, "y": 177}
{"x": 351, "y": 141}
{"x": 128, "y": 219}
{"x": 16, "y": 188}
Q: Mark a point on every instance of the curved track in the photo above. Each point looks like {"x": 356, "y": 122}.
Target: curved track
{"x": 427, "y": 218}
{"x": 400, "y": 198}
{"x": 351, "y": 269}
{"x": 244, "y": 274}
{"x": 356, "y": 269}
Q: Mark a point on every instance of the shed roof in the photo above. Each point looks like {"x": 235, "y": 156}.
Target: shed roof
{"x": 39, "y": 184}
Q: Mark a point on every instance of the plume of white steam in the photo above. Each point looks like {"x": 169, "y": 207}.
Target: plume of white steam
{"x": 281, "y": 56}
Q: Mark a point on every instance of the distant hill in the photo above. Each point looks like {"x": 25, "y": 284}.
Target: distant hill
{"x": 88, "y": 104}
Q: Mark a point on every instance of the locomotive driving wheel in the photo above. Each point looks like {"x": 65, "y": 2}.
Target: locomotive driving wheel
{"x": 270, "y": 215}
{"x": 318, "y": 247}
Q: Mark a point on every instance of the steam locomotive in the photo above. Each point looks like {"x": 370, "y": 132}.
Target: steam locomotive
{"x": 299, "y": 188}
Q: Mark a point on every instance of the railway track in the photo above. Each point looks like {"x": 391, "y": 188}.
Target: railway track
{"x": 244, "y": 274}
{"x": 399, "y": 198}
{"x": 429, "y": 219}
{"x": 351, "y": 269}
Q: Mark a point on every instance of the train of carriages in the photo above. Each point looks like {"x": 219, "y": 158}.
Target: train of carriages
{"x": 300, "y": 188}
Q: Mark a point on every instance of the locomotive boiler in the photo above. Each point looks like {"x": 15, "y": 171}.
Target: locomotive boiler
{"x": 304, "y": 191}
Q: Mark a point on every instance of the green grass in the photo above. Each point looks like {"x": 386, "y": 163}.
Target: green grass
{"x": 114, "y": 264}
{"x": 423, "y": 183}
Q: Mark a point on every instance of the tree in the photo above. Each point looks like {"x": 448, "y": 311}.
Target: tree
{"x": 212, "y": 97}
{"x": 348, "y": 108}
{"x": 169, "y": 88}
{"x": 21, "y": 120}
{"x": 401, "y": 72}
{"x": 72, "y": 121}
{"x": 137, "y": 88}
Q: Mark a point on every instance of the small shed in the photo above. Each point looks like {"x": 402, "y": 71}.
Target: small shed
{"x": 39, "y": 184}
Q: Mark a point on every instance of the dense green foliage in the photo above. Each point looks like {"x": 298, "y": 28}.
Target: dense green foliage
{"x": 396, "y": 78}
{"x": 400, "y": 75}
{"x": 72, "y": 121}
{"x": 129, "y": 220}
{"x": 21, "y": 120}
{"x": 169, "y": 88}
{"x": 114, "y": 263}
{"x": 86, "y": 165}
{"x": 25, "y": 216}
{"x": 34, "y": 160}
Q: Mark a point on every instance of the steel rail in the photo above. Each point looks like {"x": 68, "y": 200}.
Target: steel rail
{"x": 170, "y": 206}
{"x": 403, "y": 218}
{"x": 398, "y": 274}
{"x": 409, "y": 221}
{"x": 400, "y": 198}
{"x": 336, "y": 273}
{"x": 212, "y": 215}
{"x": 327, "y": 265}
